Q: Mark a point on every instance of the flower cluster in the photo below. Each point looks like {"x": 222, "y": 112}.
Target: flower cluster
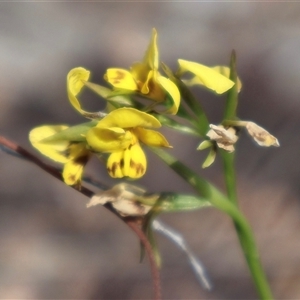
{"x": 139, "y": 100}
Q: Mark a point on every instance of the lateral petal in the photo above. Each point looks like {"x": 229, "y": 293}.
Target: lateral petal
{"x": 57, "y": 151}
{"x": 151, "y": 137}
{"x": 209, "y": 77}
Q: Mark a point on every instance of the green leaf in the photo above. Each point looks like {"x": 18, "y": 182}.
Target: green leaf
{"x": 75, "y": 133}
{"x": 174, "y": 202}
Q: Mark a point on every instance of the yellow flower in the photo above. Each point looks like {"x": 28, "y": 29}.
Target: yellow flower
{"x": 215, "y": 78}
{"x": 119, "y": 133}
{"x": 73, "y": 155}
{"x": 145, "y": 79}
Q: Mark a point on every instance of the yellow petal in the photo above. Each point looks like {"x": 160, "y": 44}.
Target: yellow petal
{"x": 114, "y": 163}
{"x": 135, "y": 162}
{"x": 207, "y": 76}
{"x": 128, "y": 118}
{"x": 130, "y": 162}
{"x": 73, "y": 170}
{"x": 120, "y": 78}
{"x": 145, "y": 89}
{"x": 139, "y": 72}
{"x": 108, "y": 139}
{"x": 151, "y": 137}
{"x": 77, "y": 150}
{"x": 151, "y": 55}
{"x": 75, "y": 81}
{"x": 171, "y": 88}
{"x": 224, "y": 70}
{"x": 56, "y": 150}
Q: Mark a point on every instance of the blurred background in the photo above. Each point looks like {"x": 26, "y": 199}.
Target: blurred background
{"x": 51, "y": 245}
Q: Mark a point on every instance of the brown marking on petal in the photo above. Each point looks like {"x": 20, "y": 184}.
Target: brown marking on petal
{"x": 113, "y": 169}
{"x": 122, "y": 163}
{"x": 139, "y": 168}
{"x": 82, "y": 160}
{"x": 72, "y": 178}
{"x": 76, "y": 184}
{"x": 119, "y": 76}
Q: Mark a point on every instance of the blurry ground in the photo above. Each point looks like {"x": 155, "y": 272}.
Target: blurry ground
{"x": 51, "y": 245}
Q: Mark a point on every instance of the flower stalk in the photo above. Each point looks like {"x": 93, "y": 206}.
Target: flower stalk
{"x": 244, "y": 232}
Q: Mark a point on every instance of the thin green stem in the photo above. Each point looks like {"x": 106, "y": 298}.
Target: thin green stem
{"x": 220, "y": 201}
{"x": 230, "y": 177}
{"x": 245, "y": 236}
{"x": 232, "y": 95}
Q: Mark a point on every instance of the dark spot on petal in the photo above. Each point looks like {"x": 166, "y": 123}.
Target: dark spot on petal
{"x": 139, "y": 168}
{"x": 122, "y": 163}
{"x": 119, "y": 76}
{"x": 113, "y": 169}
{"x": 72, "y": 177}
{"x": 82, "y": 160}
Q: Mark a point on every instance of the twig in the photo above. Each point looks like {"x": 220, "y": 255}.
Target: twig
{"x": 133, "y": 223}
{"x": 154, "y": 270}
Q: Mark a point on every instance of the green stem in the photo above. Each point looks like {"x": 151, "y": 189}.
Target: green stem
{"x": 232, "y": 95}
{"x": 220, "y": 201}
{"x": 245, "y": 236}
{"x": 230, "y": 178}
